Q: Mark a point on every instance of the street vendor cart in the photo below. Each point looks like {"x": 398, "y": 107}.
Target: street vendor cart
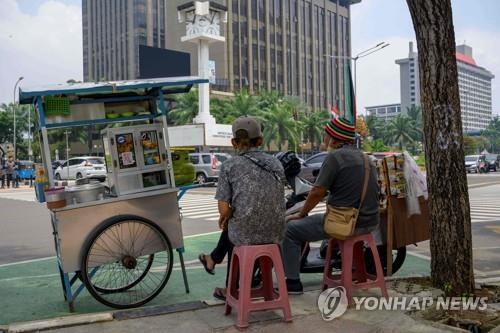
{"x": 115, "y": 240}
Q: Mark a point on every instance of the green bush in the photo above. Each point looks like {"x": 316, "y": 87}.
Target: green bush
{"x": 184, "y": 172}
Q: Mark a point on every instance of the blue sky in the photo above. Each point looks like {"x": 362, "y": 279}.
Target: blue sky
{"x": 41, "y": 40}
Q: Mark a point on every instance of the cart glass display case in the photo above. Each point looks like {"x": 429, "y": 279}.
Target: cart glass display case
{"x": 135, "y": 158}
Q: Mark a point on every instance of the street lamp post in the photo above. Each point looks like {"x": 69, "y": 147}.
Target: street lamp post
{"x": 362, "y": 54}
{"x": 14, "y": 107}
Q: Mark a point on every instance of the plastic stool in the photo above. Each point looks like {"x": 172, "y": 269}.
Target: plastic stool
{"x": 351, "y": 251}
{"x": 244, "y": 298}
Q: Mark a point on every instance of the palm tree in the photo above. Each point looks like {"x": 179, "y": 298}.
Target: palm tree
{"x": 375, "y": 127}
{"x": 267, "y": 98}
{"x": 279, "y": 126}
{"x": 221, "y": 110}
{"x": 492, "y": 133}
{"x": 415, "y": 115}
{"x": 186, "y": 108}
{"x": 376, "y": 146}
{"x": 312, "y": 126}
{"x": 243, "y": 104}
{"x": 401, "y": 131}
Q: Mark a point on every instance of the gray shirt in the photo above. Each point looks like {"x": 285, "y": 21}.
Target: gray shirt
{"x": 256, "y": 198}
{"x": 342, "y": 174}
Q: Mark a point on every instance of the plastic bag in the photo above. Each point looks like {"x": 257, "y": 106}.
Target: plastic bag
{"x": 416, "y": 185}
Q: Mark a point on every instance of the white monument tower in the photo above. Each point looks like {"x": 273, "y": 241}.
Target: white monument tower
{"x": 203, "y": 27}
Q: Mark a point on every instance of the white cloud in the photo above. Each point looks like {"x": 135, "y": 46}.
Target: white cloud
{"x": 45, "y": 48}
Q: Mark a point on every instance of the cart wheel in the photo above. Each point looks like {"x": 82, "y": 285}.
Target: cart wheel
{"x": 117, "y": 289}
{"x": 126, "y": 262}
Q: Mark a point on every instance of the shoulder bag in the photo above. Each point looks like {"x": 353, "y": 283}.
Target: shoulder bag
{"x": 263, "y": 166}
{"x": 340, "y": 222}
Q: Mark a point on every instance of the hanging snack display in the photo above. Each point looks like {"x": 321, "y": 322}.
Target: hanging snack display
{"x": 400, "y": 228}
{"x": 396, "y": 177}
{"x": 382, "y": 184}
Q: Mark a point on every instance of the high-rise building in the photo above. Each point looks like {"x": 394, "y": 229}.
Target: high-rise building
{"x": 294, "y": 46}
{"x": 112, "y": 33}
{"x": 298, "y": 47}
{"x": 409, "y": 80}
{"x": 474, "y": 84}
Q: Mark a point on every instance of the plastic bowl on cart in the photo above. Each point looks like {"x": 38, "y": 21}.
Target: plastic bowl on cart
{"x": 55, "y": 197}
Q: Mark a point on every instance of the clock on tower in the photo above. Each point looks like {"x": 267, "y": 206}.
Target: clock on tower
{"x": 202, "y": 20}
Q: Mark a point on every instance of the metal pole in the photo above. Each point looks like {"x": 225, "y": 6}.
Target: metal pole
{"x": 14, "y": 109}
{"x": 29, "y": 134}
{"x": 29, "y": 145}
{"x": 67, "y": 152}
{"x": 355, "y": 78}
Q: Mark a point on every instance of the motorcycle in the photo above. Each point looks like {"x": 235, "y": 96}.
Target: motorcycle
{"x": 483, "y": 166}
{"x": 313, "y": 256}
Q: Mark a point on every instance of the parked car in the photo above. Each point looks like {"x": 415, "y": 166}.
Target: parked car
{"x": 493, "y": 161}
{"x": 310, "y": 165}
{"x": 56, "y": 164}
{"x": 82, "y": 167}
{"x": 472, "y": 162}
{"x": 207, "y": 165}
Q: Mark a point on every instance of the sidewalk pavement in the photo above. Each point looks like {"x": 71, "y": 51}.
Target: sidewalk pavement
{"x": 209, "y": 317}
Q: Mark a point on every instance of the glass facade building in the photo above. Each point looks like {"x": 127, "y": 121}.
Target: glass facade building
{"x": 112, "y": 33}
{"x": 294, "y": 46}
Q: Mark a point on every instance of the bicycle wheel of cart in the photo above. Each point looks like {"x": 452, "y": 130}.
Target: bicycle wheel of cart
{"x": 126, "y": 262}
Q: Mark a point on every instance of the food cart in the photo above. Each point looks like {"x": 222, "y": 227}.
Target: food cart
{"x": 404, "y": 213}
{"x": 115, "y": 240}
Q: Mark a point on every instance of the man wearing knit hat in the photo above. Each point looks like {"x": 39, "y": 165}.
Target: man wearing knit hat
{"x": 341, "y": 175}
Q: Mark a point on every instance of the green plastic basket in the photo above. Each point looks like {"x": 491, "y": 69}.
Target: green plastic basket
{"x": 57, "y": 106}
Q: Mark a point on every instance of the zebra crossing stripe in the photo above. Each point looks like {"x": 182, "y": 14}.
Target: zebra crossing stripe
{"x": 199, "y": 206}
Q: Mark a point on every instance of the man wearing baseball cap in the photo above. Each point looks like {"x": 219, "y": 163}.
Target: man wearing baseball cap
{"x": 250, "y": 194}
{"x": 340, "y": 176}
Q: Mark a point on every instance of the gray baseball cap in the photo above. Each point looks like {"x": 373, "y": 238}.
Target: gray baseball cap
{"x": 249, "y": 124}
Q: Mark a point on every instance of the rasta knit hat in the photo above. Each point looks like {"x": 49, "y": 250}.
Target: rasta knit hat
{"x": 341, "y": 129}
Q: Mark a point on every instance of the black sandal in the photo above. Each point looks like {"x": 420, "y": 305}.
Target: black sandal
{"x": 203, "y": 261}
{"x": 220, "y": 294}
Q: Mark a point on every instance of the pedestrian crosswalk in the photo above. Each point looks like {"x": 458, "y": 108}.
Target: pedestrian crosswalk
{"x": 485, "y": 207}
{"x": 484, "y": 210}
{"x": 195, "y": 206}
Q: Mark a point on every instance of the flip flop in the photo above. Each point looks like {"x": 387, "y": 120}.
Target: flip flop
{"x": 203, "y": 261}
{"x": 220, "y": 294}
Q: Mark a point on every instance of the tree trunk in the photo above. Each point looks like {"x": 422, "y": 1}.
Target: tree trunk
{"x": 451, "y": 239}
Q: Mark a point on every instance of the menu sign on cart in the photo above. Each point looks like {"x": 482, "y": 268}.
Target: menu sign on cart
{"x": 126, "y": 150}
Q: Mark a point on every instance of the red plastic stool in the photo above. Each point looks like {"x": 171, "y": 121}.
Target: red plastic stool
{"x": 351, "y": 251}
{"x": 244, "y": 299}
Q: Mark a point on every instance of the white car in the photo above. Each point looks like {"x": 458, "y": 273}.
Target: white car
{"x": 82, "y": 167}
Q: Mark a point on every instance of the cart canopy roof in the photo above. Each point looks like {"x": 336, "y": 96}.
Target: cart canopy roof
{"x": 145, "y": 86}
